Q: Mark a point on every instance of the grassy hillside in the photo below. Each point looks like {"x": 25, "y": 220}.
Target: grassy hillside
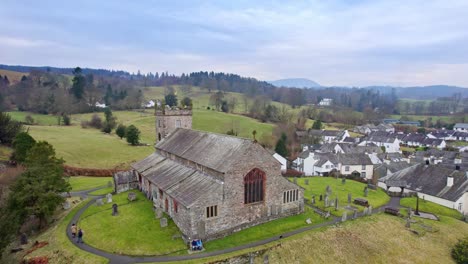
{"x": 39, "y": 119}
{"x": 12, "y": 76}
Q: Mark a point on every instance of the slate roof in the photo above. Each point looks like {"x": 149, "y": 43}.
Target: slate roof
{"x": 431, "y": 180}
{"x": 414, "y": 138}
{"x": 432, "y": 141}
{"x": 460, "y": 134}
{"x": 215, "y": 151}
{"x": 461, "y": 125}
{"x": 324, "y": 157}
{"x": 381, "y": 136}
{"x": 354, "y": 159}
{"x": 349, "y": 140}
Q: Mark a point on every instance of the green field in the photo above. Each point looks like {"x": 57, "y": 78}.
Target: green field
{"x": 13, "y": 76}
{"x": 134, "y": 231}
{"x": 39, "y": 119}
{"x": 317, "y": 186}
{"x": 81, "y": 183}
{"x": 430, "y": 207}
{"x": 445, "y": 118}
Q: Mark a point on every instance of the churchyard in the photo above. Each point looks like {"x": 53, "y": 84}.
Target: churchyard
{"x": 426, "y": 206}
{"x": 81, "y": 183}
{"x": 317, "y": 186}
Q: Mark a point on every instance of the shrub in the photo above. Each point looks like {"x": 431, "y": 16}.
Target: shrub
{"x": 106, "y": 128}
{"x": 84, "y": 124}
{"x": 96, "y": 122}
{"x": 66, "y": 119}
{"x": 120, "y": 131}
{"x": 29, "y": 120}
{"x": 133, "y": 135}
{"x": 22, "y": 143}
{"x": 460, "y": 251}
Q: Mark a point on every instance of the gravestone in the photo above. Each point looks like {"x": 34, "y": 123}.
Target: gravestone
{"x": 344, "y": 217}
{"x": 326, "y": 201}
{"x": 163, "y": 222}
{"x": 409, "y": 212}
{"x": 332, "y": 203}
{"x": 408, "y": 223}
{"x": 99, "y": 202}
{"x": 23, "y": 239}
{"x": 370, "y": 210}
{"x": 109, "y": 198}
{"x": 328, "y": 214}
{"x": 349, "y": 198}
{"x": 115, "y": 209}
{"x": 366, "y": 210}
{"x": 109, "y": 184}
{"x": 306, "y": 182}
{"x": 158, "y": 213}
{"x": 313, "y": 199}
{"x": 366, "y": 191}
{"x": 321, "y": 198}
{"x": 251, "y": 258}
{"x": 328, "y": 189}
{"x": 308, "y": 221}
{"x": 265, "y": 259}
{"x": 66, "y": 205}
{"x": 343, "y": 180}
{"x": 131, "y": 196}
{"x": 336, "y": 204}
{"x": 295, "y": 180}
{"x": 355, "y": 214}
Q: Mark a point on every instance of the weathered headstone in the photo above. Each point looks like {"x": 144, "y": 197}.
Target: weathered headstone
{"x": 23, "y": 239}
{"x": 332, "y": 203}
{"x": 326, "y": 200}
{"x": 109, "y": 184}
{"x": 306, "y": 181}
{"x": 336, "y": 204}
{"x": 131, "y": 196}
{"x": 366, "y": 191}
{"x": 115, "y": 210}
{"x": 109, "y": 198}
{"x": 409, "y": 212}
{"x": 354, "y": 214}
{"x": 370, "y": 210}
{"x": 158, "y": 213}
{"x": 349, "y": 198}
{"x": 99, "y": 202}
{"x": 313, "y": 199}
{"x": 408, "y": 223}
{"x": 321, "y": 198}
{"x": 251, "y": 258}
{"x": 365, "y": 211}
{"x": 66, "y": 205}
{"x": 163, "y": 222}
{"x": 343, "y": 180}
{"x": 265, "y": 259}
{"x": 308, "y": 221}
{"x": 327, "y": 214}
{"x": 328, "y": 189}
{"x": 295, "y": 180}
{"x": 344, "y": 217}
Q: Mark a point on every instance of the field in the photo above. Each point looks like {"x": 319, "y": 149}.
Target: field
{"x": 80, "y": 183}
{"x": 317, "y": 186}
{"x": 39, "y": 119}
{"x": 445, "y": 118}
{"x": 13, "y": 76}
{"x": 426, "y": 206}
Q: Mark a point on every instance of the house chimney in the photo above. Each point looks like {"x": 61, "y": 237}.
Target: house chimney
{"x": 449, "y": 181}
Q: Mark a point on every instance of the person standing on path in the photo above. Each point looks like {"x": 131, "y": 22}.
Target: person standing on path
{"x": 80, "y": 236}
{"x": 73, "y": 230}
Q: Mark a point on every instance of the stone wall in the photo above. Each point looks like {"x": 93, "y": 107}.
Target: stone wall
{"x": 166, "y": 121}
{"x": 125, "y": 180}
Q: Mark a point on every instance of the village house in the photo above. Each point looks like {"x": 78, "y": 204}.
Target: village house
{"x": 442, "y": 134}
{"x": 282, "y": 160}
{"x": 356, "y": 165}
{"x": 369, "y": 128}
{"x": 212, "y": 185}
{"x": 460, "y": 136}
{"x": 383, "y": 139}
{"x": 413, "y": 139}
{"x": 326, "y": 102}
{"x": 445, "y": 186}
{"x": 462, "y": 127}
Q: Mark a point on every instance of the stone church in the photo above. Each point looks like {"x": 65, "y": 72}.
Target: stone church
{"x": 210, "y": 184}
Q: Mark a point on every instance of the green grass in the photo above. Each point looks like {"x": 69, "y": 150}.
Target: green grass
{"x": 81, "y": 183}
{"x": 60, "y": 249}
{"x": 135, "y": 231}
{"x": 103, "y": 191}
{"x": 430, "y": 207}
{"x": 5, "y": 153}
{"x": 317, "y": 186}
{"x": 263, "y": 231}
{"x": 445, "y": 118}
{"x": 89, "y": 148}
{"x": 39, "y": 119}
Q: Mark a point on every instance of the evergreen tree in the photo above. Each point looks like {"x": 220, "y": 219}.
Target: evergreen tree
{"x": 22, "y": 143}
{"x": 110, "y": 123}
{"x": 133, "y": 135}
{"x": 79, "y": 83}
{"x": 171, "y": 99}
{"x": 120, "y": 131}
{"x": 8, "y": 128}
{"x": 281, "y": 146}
{"x": 317, "y": 125}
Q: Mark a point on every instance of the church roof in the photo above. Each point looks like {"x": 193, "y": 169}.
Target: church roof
{"x": 214, "y": 151}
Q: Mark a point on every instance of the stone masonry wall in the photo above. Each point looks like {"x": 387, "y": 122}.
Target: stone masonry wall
{"x": 166, "y": 121}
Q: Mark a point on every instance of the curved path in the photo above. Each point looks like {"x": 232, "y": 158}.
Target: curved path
{"x": 124, "y": 259}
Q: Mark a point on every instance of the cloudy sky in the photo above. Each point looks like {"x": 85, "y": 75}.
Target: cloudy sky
{"x": 353, "y": 43}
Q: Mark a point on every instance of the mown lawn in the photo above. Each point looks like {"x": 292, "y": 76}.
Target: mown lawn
{"x": 103, "y": 191}
{"x": 60, "y": 249}
{"x": 89, "y": 148}
{"x": 135, "y": 231}
{"x": 430, "y": 207}
{"x": 39, "y": 119}
{"x": 81, "y": 183}
{"x": 267, "y": 230}
{"x": 317, "y": 186}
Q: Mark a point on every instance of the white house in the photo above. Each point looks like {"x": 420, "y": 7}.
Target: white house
{"x": 150, "y": 104}
{"x": 435, "y": 183}
{"x": 356, "y": 164}
{"x": 391, "y": 144}
{"x": 326, "y": 102}
{"x": 461, "y": 136}
{"x": 282, "y": 160}
{"x": 99, "y": 105}
{"x": 463, "y": 127}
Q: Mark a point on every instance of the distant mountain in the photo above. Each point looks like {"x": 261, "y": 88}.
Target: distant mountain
{"x": 422, "y": 92}
{"x": 296, "y": 83}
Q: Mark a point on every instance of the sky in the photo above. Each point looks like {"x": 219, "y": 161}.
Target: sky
{"x": 346, "y": 43}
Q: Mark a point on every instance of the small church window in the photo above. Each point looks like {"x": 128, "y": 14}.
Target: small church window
{"x": 178, "y": 123}
{"x": 290, "y": 196}
{"x": 254, "y": 186}
{"x": 211, "y": 211}
{"x": 176, "y": 206}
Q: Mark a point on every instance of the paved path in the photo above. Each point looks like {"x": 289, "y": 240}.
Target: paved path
{"x": 124, "y": 259}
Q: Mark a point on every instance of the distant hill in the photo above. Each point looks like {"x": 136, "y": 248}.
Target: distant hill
{"x": 296, "y": 83}
{"x": 422, "y": 92}
{"x": 13, "y": 76}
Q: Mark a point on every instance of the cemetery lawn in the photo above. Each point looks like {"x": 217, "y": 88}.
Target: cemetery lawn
{"x": 317, "y": 186}
{"x": 266, "y": 230}
{"x": 103, "y": 191}
{"x": 135, "y": 231}
{"x": 430, "y": 207}
{"x": 60, "y": 248}
{"x": 81, "y": 183}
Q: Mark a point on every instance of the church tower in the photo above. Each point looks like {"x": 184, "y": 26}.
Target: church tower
{"x": 168, "y": 119}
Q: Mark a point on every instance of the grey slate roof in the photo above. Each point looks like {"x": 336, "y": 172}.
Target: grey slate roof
{"x": 324, "y": 157}
{"x": 354, "y": 159}
{"x": 431, "y": 180}
{"x": 461, "y": 125}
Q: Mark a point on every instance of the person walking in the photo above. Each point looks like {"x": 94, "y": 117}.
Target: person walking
{"x": 80, "y": 236}
{"x": 73, "y": 230}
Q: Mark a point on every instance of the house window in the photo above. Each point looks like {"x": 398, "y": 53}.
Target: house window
{"x": 327, "y": 166}
{"x": 175, "y": 205}
{"x": 459, "y": 206}
{"x": 211, "y": 211}
{"x": 290, "y": 196}
{"x": 346, "y": 168}
{"x": 363, "y": 174}
{"x": 254, "y": 186}
{"x": 363, "y": 167}
{"x": 177, "y": 123}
